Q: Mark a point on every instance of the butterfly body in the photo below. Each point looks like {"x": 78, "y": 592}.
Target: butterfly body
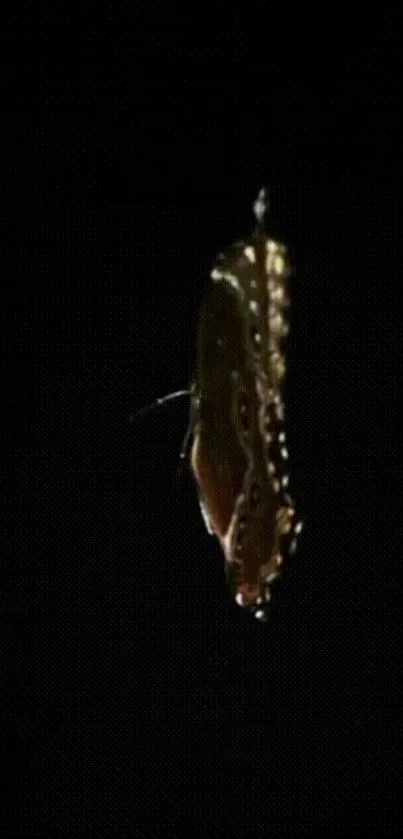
{"x": 239, "y": 456}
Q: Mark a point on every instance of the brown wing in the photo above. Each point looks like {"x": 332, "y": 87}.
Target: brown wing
{"x": 218, "y": 459}
{"x": 238, "y": 456}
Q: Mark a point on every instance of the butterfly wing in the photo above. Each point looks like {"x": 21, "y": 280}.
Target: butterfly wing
{"x": 238, "y": 455}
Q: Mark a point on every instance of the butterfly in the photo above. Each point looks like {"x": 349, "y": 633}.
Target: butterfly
{"x": 239, "y": 456}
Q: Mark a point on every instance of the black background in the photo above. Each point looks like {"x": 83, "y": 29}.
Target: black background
{"x": 135, "y": 692}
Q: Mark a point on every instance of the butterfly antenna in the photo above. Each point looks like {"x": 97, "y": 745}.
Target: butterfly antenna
{"x": 158, "y": 402}
{"x": 162, "y": 400}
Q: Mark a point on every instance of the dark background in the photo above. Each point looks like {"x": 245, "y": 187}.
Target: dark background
{"x": 134, "y": 690}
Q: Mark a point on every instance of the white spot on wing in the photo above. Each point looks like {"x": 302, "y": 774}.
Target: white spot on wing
{"x": 277, "y": 293}
{"x": 249, "y": 252}
{"x": 279, "y": 264}
{"x": 280, "y": 412}
{"x": 275, "y": 262}
{"x": 227, "y": 277}
{"x": 276, "y": 322}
